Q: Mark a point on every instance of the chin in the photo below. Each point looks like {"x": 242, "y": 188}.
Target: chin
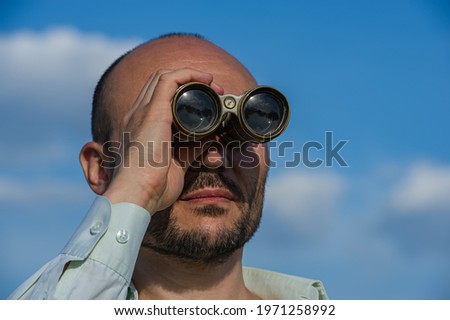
{"x": 208, "y": 218}
{"x": 204, "y": 233}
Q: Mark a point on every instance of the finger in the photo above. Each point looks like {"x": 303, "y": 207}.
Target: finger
{"x": 169, "y": 82}
{"x": 217, "y": 88}
{"x": 147, "y": 91}
{"x": 153, "y": 103}
{"x": 144, "y": 96}
{"x": 150, "y": 86}
{"x": 127, "y": 116}
{"x": 143, "y": 91}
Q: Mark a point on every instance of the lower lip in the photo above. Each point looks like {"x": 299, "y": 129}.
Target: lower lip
{"x": 208, "y": 200}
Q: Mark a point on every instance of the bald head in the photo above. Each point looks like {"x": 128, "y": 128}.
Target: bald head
{"x": 123, "y": 80}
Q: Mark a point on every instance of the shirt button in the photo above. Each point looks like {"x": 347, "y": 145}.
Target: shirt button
{"x": 96, "y": 227}
{"x": 122, "y": 236}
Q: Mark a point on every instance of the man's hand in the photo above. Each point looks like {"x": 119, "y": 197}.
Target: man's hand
{"x": 158, "y": 183}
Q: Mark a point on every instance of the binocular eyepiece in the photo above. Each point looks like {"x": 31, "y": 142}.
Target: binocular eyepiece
{"x": 258, "y": 115}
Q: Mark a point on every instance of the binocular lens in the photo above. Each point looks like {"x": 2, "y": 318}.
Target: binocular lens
{"x": 257, "y": 115}
{"x": 263, "y": 113}
{"x": 196, "y": 111}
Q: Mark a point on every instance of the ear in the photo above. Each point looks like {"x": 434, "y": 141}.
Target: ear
{"x": 91, "y": 157}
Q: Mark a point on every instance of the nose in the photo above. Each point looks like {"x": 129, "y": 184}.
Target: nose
{"x": 214, "y": 156}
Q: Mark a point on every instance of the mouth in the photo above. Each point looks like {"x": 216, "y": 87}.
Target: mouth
{"x": 209, "y": 196}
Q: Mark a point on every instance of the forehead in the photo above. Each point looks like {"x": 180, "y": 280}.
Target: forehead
{"x": 173, "y": 53}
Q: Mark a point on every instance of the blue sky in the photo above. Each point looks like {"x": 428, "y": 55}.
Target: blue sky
{"x": 374, "y": 73}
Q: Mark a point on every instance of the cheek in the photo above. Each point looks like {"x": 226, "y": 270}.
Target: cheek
{"x": 250, "y": 164}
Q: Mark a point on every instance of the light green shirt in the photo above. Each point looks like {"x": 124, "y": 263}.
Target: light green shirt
{"x": 99, "y": 259}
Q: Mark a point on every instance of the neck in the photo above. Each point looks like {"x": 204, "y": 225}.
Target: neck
{"x": 158, "y": 276}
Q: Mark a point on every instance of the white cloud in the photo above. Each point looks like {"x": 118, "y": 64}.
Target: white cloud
{"x": 60, "y": 54}
{"x": 306, "y": 198}
{"x": 425, "y": 189}
{"x": 46, "y": 85}
{"x": 54, "y": 71}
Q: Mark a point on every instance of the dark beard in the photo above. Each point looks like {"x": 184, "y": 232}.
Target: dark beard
{"x": 165, "y": 236}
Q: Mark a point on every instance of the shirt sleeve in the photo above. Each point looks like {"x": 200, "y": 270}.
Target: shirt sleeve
{"x": 99, "y": 259}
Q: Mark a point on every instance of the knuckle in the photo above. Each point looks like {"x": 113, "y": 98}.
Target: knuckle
{"x": 160, "y": 72}
{"x": 165, "y": 77}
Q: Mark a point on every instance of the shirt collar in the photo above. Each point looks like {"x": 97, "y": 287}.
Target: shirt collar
{"x": 270, "y": 285}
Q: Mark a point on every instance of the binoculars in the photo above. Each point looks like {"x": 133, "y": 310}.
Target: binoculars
{"x": 258, "y": 115}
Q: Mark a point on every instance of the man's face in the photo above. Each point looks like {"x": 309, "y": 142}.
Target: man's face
{"x": 220, "y": 206}
{"x": 218, "y": 211}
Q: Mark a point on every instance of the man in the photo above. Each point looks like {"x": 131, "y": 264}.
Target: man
{"x": 204, "y": 205}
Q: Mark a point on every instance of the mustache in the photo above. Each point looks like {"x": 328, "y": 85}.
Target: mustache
{"x": 204, "y": 179}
